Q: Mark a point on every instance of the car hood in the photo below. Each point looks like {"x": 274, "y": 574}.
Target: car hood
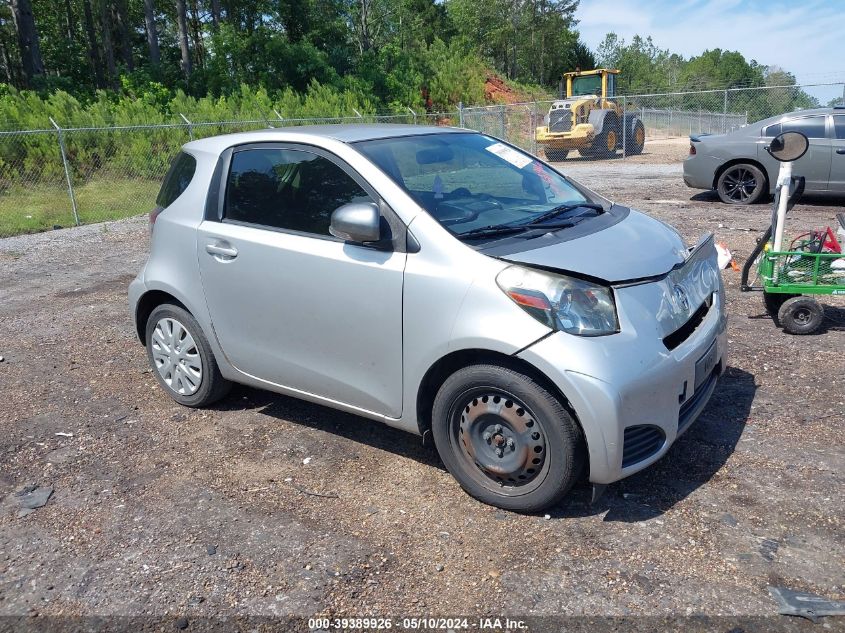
{"x": 636, "y": 247}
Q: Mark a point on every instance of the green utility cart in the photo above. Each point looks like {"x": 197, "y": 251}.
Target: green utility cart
{"x": 813, "y": 264}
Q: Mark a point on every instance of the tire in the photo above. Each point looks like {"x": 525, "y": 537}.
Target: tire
{"x": 801, "y": 315}
{"x": 483, "y": 409}
{"x": 556, "y": 155}
{"x": 742, "y": 183}
{"x": 185, "y": 384}
{"x": 635, "y": 139}
{"x": 774, "y": 300}
{"x": 605, "y": 144}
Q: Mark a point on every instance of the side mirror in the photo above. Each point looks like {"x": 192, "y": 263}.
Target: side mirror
{"x": 356, "y": 222}
{"x": 789, "y": 146}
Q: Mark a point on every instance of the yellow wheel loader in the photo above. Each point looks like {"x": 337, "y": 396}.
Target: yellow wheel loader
{"x": 588, "y": 119}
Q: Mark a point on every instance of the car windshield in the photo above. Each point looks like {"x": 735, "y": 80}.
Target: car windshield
{"x": 476, "y": 186}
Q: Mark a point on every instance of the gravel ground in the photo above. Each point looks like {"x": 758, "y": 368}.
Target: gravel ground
{"x": 164, "y": 511}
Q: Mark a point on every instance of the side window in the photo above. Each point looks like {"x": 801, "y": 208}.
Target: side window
{"x": 288, "y": 189}
{"x": 812, "y": 126}
{"x": 178, "y": 178}
{"x": 839, "y": 125}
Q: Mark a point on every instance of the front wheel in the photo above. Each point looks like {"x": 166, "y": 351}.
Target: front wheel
{"x": 555, "y": 155}
{"x": 741, "y": 184}
{"x": 507, "y": 440}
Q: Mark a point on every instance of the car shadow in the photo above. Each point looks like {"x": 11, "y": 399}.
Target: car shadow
{"x": 809, "y": 199}
{"x": 689, "y": 464}
{"x": 322, "y": 418}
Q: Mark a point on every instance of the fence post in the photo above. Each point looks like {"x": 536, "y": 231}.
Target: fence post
{"x": 460, "y": 113}
{"x": 61, "y": 136}
{"x": 503, "y": 123}
{"x": 190, "y": 126}
{"x": 414, "y": 113}
{"x": 624, "y": 128}
{"x": 725, "y": 115}
{"x": 358, "y": 114}
{"x": 532, "y": 122}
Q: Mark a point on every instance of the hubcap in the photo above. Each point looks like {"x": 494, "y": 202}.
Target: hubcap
{"x": 740, "y": 184}
{"x": 176, "y": 357}
{"x": 802, "y": 316}
{"x": 501, "y": 442}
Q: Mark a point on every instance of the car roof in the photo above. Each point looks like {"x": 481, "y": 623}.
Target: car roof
{"x": 345, "y": 133}
{"x": 796, "y": 113}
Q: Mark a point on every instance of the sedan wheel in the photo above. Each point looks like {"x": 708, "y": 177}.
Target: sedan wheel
{"x": 741, "y": 184}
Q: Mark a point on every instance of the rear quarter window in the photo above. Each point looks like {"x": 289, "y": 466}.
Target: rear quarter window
{"x": 178, "y": 178}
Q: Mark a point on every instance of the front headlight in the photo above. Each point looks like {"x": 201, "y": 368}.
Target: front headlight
{"x": 560, "y": 302}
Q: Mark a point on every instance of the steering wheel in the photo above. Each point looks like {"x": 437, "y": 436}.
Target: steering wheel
{"x": 488, "y": 198}
{"x": 468, "y": 216}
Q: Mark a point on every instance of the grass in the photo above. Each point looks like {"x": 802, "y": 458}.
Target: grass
{"x": 41, "y": 207}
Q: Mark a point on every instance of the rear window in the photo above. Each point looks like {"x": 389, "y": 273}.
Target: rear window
{"x": 813, "y": 127}
{"x": 177, "y": 179}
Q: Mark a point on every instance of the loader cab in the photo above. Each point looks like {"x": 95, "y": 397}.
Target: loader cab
{"x": 600, "y": 82}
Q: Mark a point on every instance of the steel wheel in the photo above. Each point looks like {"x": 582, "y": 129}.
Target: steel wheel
{"x": 176, "y": 357}
{"x": 500, "y": 440}
{"x": 741, "y": 184}
{"x": 610, "y": 141}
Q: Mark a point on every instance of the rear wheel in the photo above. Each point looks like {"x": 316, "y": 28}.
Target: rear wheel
{"x": 556, "y": 155}
{"x": 774, "y": 300}
{"x": 801, "y": 315}
{"x": 507, "y": 440}
{"x": 635, "y": 141}
{"x": 741, "y": 184}
{"x": 181, "y": 357}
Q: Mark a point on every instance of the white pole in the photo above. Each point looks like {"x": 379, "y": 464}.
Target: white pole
{"x": 784, "y": 180}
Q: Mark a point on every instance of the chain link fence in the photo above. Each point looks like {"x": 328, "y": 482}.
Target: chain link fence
{"x": 61, "y": 176}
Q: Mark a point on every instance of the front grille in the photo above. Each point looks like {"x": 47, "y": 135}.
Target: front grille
{"x": 685, "y": 331}
{"x": 560, "y": 120}
{"x": 641, "y": 442}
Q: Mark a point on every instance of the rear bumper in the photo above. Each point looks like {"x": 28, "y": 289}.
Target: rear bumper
{"x": 700, "y": 171}
{"x": 633, "y": 398}
{"x": 136, "y": 291}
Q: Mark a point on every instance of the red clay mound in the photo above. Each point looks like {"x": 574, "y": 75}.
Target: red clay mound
{"x": 496, "y": 91}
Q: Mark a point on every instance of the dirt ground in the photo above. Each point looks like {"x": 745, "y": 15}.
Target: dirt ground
{"x": 265, "y": 505}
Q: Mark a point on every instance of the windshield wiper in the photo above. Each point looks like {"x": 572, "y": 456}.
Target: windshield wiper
{"x": 494, "y": 230}
{"x": 561, "y": 209}
{"x": 505, "y": 229}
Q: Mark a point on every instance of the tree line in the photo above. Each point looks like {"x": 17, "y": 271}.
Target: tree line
{"x": 398, "y": 51}
{"x": 426, "y": 54}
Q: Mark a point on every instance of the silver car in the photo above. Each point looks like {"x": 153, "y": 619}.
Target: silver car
{"x": 741, "y": 171}
{"x": 442, "y": 282}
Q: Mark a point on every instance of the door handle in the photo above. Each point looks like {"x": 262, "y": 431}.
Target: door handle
{"x": 229, "y": 252}
{"x": 841, "y": 150}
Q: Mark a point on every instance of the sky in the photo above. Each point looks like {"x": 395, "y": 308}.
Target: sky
{"x": 804, "y": 37}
